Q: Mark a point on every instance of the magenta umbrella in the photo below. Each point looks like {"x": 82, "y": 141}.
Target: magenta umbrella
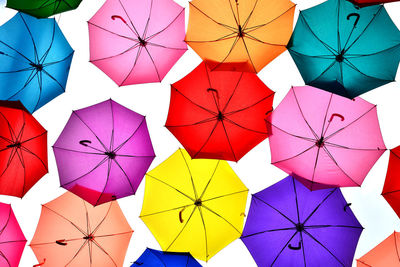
{"x": 12, "y": 240}
{"x": 103, "y": 152}
{"x": 137, "y": 41}
{"x": 324, "y": 140}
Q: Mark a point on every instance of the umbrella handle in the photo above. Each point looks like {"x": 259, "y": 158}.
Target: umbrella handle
{"x": 61, "y": 242}
{"x": 213, "y": 90}
{"x": 354, "y": 15}
{"x": 268, "y": 112}
{"x": 337, "y": 115}
{"x": 85, "y": 142}
{"x": 40, "y": 264}
{"x": 295, "y": 248}
{"x": 346, "y": 206}
{"x": 138, "y": 263}
{"x": 180, "y": 215}
{"x": 118, "y": 17}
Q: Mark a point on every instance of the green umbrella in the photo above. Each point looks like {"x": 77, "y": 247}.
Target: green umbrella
{"x": 43, "y": 8}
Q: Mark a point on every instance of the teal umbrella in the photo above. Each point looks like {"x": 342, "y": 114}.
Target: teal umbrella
{"x": 344, "y": 49}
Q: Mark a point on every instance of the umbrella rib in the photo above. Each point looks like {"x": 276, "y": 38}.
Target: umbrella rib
{"x": 139, "y": 52}
{"x": 15, "y": 71}
{"x": 280, "y": 252}
{"x": 226, "y": 195}
{"x": 36, "y": 156}
{"x": 205, "y": 230}
{"x": 166, "y": 47}
{"x": 253, "y": 28}
{"x": 113, "y": 127}
{"x": 77, "y": 252}
{"x": 79, "y": 229}
{"x": 77, "y": 151}
{"x": 248, "y": 129}
{"x": 109, "y": 164}
{"x": 123, "y": 143}
{"x": 154, "y": 64}
{"x": 323, "y": 130}
{"x": 120, "y": 54}
{"x": 351, "y": 65}
{"x": 52, "y": 243}
{"x": 272, "y": 207}
{"x": 233, "y": 92}
{"x": 302, "y": 248}
{"x": 209, "y": 111}
{"x": 76, "y": 179}
{"x": 6, "y": 224}
{"x": 190, "y": 173}
{"x": 172, "y": 22}
{"x": 98, "y": 139}
{"x": 322, "y": 73}
{"x": 102, "y": 220}
{"x": 40, "y": 83}
{"x": 171, "y": 187}
{"x": 10, "y": 129}
{"x": 157, "y": 256}
{"x": 58, "y": 61}
{"x": 213, "y": 20}
{"x": 43, "y": 58}
{"x": 268, "y": 231}
{"x": 229, "y": 52}
{"x": 30, "y": 34}
{"x": 54, "y": 79}
{"x": 109, "y": 235}
{"x": 29, "y": 61}
{"x": 21, "y": 158}
{"x": 134, "y": 28}
{"x": 229, "y": 142}
{"x": 207, "y": 208}
{"x": 223, "y": 38}
{"x": 30, "y": 78}
{"x": 371, "y": 54}
{"x": 248, "y": 54}
{"x": 359, "y": 260}
{"x": 87, "y": 218}
{"x": 319, "y": 205}
{"x": 209, "y": 181}
{"x": 237, "y": 20}
{"x": 297, "y": 203}
{"x": 251, "y": 37}
{"x": 352, "y": 148}
{"x": 4, "y": 256}
{"x": 206, "y": 141}
{"x": 252, "y": 105}
{"x": 397, "y": 250}
{"x": 104, "y": 29}
{"x": 313, "y": 56}
{"x": 315, "y": 167}
{"x": 148, "y": 21}
{"x": 12, "y": 155}
{"x": 158, "y": 212}
{"x": 12, "y": 241}
{"x": 126, "y": 176}
{"x": 302, "y": 114}
{"x": 194, "y": 124}
{"x": 295, "y": 156}
{"x": 103, "y": 250}
{"x": 339, "y": 226}
{"x": 246, "y": 21}
{"x": 183, "y": 228}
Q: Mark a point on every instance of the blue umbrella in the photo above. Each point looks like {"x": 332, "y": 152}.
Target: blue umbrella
{"x": 156, "y": 258}
{"x": 34, "y": 61}
{"x": 345, "y": 49}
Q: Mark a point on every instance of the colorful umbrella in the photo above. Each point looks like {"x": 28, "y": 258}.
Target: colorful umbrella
{"x": 43, "y": 8}
{"x": 156, "y": 258}
{"x": 34, "y": 61}
{"x": 383, "y": 255}
{"x": 364, "y": 3}
{"x": 71, "y": 232}
{"x": 244, "y": 34}
{"x": 323, "y": 139}
{"x": 345, "y": 50}
{"x": 103, "y": 152}
{"x": 137, "y": 41}
{"x": 194, "y": 206}
{"x": 12, "y": 240}
{"x": 219, "y": 114}
{"x": 23, "y": 149}
{"x": 391, "y": 189}
{"x": 288, "y": 225}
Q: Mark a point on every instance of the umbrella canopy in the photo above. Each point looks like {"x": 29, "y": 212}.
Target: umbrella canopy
{"x": 345, "y": 50}
{"x": 23, "y": 149}
{"x": 34, "y": 61}
{"x": 194, "y": 206}
{"x": 156, "y": 258}
{"x": 219, "y": 114}
{"x": 288, "y": 225}
{"x": 12, "y": 240}
{"x": 364, "y": 3}
{"x": 71, "y": 232}
{"x": 383, "y": 255}
{"x": 244, "y": 34}
{"x": 391, "y": 188}
{"x": 43, "y": 8}
{"x": 137, "y": 41}
{"x": 323, "y": 139}
{"x": 103, "y": 152}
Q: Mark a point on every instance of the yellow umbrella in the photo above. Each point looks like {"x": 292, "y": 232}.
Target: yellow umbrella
{"x": 194, "y": 206}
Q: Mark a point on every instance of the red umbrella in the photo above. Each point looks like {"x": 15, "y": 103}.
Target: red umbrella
{"x": 219, "y": 114}
{"x": 23, "y": 149}
{"x": 391, "y": 189}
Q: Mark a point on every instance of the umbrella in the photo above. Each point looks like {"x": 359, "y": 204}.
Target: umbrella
{"x": 12, "y": 240}
{"x": 364, "y": 3}
{"x": 23, "y": 149}
{"x": 137, "y": 41}
{"x": 345, "y": 50}
{"x": 71, "y": 232}
{"x": 194, "y": 206}
{"x": 219, "y": 114}
{"x": 43, "y": 8}
{"x": 288, "y": 225}
{"x": 34, "y": 61}
{"x": 383, "y": 255}
{"x": 103, "y": 152}
{"x": 323, "y": 139}
{"x": 156, "y": 258}
{"x": 244, "y": 34}
{"x": 391, "y": 189}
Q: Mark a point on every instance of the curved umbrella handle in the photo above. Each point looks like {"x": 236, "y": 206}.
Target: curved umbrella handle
{"x": 213, "y": 90}
{"x": 118, "y": 17}
{"x": 180, "y": 215}
{"x": 337, "y": 115}
{"x": 346, "y": 206}
{"x": 40, "y": 264}
{"x": 354, "y": 15}
{"x": 268, "y": 113}
{"x": 61, "y": 242}
{"x": 295, "y": 248}
{"x": 85, "y": 142}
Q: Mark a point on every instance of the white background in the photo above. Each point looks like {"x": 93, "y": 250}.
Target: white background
{"x": 87, "y": 85}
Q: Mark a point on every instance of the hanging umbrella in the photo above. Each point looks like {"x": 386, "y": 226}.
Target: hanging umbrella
{"x": 194, "y": 206}
{"x": 383, "y": 255}
{"x": 288, "y": 225}
{"x": 137, "y": 41}
{"x": 391, "y": 189}
{"x": 43, "y": 8}
{"x": 156, "y": 258}
{"x": 103, "y": 152}
{"x": 34, "y": 61}
{"x": 219, "y": 114}
{"x": 23, "y": 149}
{"x": 12, "y": 240}
{"x": 244, "y": 34}
{"x": 71, "y": 232}
{"x": 323, "y": 139}
{"x": 364, "y": 3}
{"x": 345, "y": 50}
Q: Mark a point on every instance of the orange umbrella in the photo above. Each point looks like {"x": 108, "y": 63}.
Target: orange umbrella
{"x": 245, "y": 34}
{"x": 71, "y": 232}
{"x": 383, "y": 255}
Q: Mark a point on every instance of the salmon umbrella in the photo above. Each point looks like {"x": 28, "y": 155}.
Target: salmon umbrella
{"x": 137, "y": 41}
{"x": 383, "y": 255}
{"x": 71, "y": 232}
{"x": 289, "y": 225}
{"x": 219, "y": 114}
{"x": 194, "y": 206}
{"x": 23, "y": 149}
{"x": 43, "y": 8}
{"x": 345, "y": 50}
{"x": 244, "y": 34}
{"x": 12, "y": 240}
{"x": 103, "y": 152}
{"x": 391, "y": 188}
{"x": 154, "y": 258}
{"x": 323, "y": 139}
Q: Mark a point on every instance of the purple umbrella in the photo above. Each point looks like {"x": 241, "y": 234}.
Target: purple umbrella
{"x": 289, "y": 225}
{"x": 103, "y": 152}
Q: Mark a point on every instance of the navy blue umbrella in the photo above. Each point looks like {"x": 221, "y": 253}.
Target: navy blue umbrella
{"x": 155, "y": 258}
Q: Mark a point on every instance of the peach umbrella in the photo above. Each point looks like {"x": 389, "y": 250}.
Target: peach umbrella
{"x": 383, "y": 255}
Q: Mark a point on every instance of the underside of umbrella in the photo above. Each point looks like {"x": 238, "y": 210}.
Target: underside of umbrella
{"x": 43, "y": 8}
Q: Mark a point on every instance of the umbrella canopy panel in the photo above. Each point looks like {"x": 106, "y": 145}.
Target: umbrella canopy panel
{"x": 391, "y": 188}
{"x": 364, "y": 3}
{"x": 383, "y": 255}
{"x": 43, "y": 8}
{"x": 155, "y": 258}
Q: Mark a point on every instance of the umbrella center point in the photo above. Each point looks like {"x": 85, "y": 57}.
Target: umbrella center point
{"x": 89, "y": 237}
{"x": 38, "y": 67}
{"x": 198, "y": 202}
{"x": 110, "y": 154}
{"x": 220, "y": 116}
{"x": 320, "y": 142}
{"x": 16, "y": 144}
{"x": 340, "y": 57}
{"x": 300, "y": 227}
{"x": 142, "y": 42}
{"x": 240, "y": 31}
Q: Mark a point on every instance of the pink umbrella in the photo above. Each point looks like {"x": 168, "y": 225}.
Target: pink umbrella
{"x": 323, "y": 139}
{"x": 12, "y": 240}
{"x": 137, "y": 41}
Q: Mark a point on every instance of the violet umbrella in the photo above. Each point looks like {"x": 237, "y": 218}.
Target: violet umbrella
{"x": 323, "y": 139}
{"x": 137, "y": 41}
{"x": 289, "y": 225}
{"x": 103, "y": 152}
